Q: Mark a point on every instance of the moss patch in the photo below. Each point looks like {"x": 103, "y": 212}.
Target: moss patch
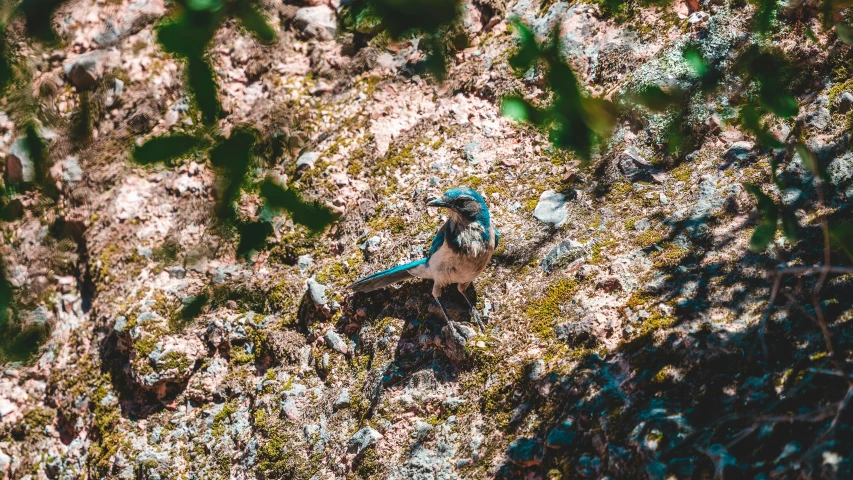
{"x": 544, "y": 310}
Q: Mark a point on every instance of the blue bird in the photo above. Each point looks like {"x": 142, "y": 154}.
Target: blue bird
{"x": 459, "y": 252}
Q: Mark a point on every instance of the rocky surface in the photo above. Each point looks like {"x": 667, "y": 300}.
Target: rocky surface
{"x": 621, "y": 310}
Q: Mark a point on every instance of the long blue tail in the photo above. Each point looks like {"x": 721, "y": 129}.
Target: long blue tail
{"x": 386, "y": 277}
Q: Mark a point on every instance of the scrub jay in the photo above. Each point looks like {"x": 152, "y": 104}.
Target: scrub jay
{"x": 460, "y": 250}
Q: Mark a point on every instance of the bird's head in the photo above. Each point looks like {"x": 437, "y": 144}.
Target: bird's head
{"x": 464, "y": 204}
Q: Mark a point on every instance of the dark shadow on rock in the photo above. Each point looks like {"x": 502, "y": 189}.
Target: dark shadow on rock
{"x": 420, "y": 346}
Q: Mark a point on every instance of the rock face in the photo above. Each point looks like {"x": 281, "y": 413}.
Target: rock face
{"x": 19, "y": 165}
{"x": 363, "y": 439}
{"x": 84, "y": 71}
{"x": 316, "y": 22}
{"x": 168, "y": 321}
{"x": 634, "y": 166}
{"x": 551, "y": 208}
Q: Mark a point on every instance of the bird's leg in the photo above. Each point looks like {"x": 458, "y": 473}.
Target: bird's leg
{"x": 436, "y": 293}
{"x": 474, "y": 313}
{"x": 453, "y": 337}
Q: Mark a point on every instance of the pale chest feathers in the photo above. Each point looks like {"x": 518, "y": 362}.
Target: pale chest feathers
{"x": 472, "y": 240}
{"x": 463, "y": 258}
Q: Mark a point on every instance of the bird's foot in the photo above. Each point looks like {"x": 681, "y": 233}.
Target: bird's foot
{"x": 456, "y": 337}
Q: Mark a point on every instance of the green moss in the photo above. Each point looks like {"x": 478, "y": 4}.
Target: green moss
{"x": 370, "y": 83}
{"x": 394, "y": 159}
{"x": 107, "y": 440}
{"x": 395, "y": 224}
{"x": 370, "y": 465}
{"x": 145, "y": 345}
{"x": 649, "y": 238}
{"x": 341, "y": 271}
{"x": 473, "y": 181}
{"x": 621, "y": 189}
{"x": 239, "y": 355}
{"x": 36, "y": 418}
{"x": 597, "y": 250}
{"x": 839, "y": 88}
{"x": 655, "y": 322}
{"x": 663, "y": 374}
{"x": 218, "y": 428}
{"x": 542, "y": 311}
{"x": 279, "y": 454}
{"x": 174, "y": 360}
{"x": 682, "y": 173}
{"x": 671, "y": 255}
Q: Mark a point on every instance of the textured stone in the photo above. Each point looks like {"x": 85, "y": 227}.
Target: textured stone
{"x": 634, "y": 166}
{"x": 564, "y": 253}
{"x": 317, "y": 293}
{"x": 84, "y": 71}
{"x": 740, "y": 151}
{"x": 551, "y": 208}
{"x": 316, "y": 22}
{"x": 525, "y": 452}
{"x": 336, "y": 342}
{"x": 363, "y": 439}
{"x": 19, "y": 164}
{"x": 561, "y": 436}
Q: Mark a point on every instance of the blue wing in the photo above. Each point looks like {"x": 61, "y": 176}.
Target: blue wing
{"x": 497, "y": 237}
{"x": 437, "y": 242}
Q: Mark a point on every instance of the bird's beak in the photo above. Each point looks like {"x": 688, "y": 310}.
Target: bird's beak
{"x": 437, "y": 203}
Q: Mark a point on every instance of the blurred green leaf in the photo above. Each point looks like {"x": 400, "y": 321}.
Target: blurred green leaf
{"x": 201, "y": 5}
{"x": 574, "y": 120}
{"x": 184, "y": 38}
{"x": 400, "y": 17}
{"x": 515, "y": 108}
{"x": 844, "y": 32}
{"x": 766, "y": 229}
{"x": 790, "y": 226}
{"x": 253, "y": 237}
{"x": 841, "y": 236}
{"x": 750, "y": 118}
{"x": 436, "y": 60}
{"x": 810, "y": 33}
{"x": 693, "y": 58}
{"x": 655, "y": 99}
{"x": 765, "y": 15}
{"x": 202, "y": 83}
{"x": 193, "y": 306}
{"x": 232, "y": 157}
{"x": 770, "y": 69}
{"x": 18, "y": 343}
{"x": 165, "y": 149}
{"x": 37, "y": 148}
{"x": 255, "y": 22}
{"x": 188, "y": 36}
{"x": 528, "y": 52}
{"x": 811, "y": 162}
{"x": 709, "y": 76}
{"x": 313, "y": 215}
{"x": 7, "y": 73}
{"x": 437, "y": 21}
{"x": 38, "y": 15}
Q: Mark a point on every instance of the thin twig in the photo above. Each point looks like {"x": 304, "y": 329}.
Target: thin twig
{"x": 810, "y": 270}
{"x": 827, "y": 337}
{"x": 743, "y": 434}
{"x": 834, "y": 373}
{"x": 763, "y": 325}
{"x": 841, "y": 406}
